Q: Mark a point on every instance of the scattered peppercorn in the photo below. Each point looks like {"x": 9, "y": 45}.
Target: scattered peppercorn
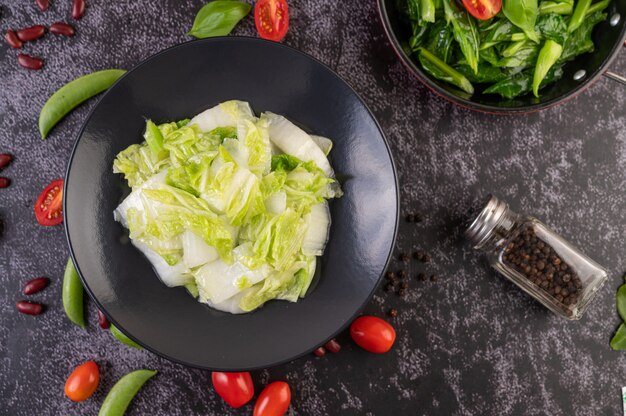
{"x": 402, "y": 274}
{"x": 404, "y": 257}
{"x": 418, "y": 255}
{"x": 404, "y": 285}
{"x": 433, "y": 277}
{"x": 393, "y": 312}
{"x": 417, "y": 218}
{"x": 421, "y": 276}
{"x": 401, "y": 292}
{"x": 388, "y": 287}
{"x": 426, "y": 258}
{"x": 410, "y": 218}
{"x": 390, "y": 276}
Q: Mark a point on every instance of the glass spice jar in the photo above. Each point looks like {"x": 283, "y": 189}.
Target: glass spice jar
{"x": 536, "y": 259}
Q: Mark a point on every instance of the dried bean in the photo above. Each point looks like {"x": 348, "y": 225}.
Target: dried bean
{"x": 29, "y": 62}
{"x": 60, "y": 28}
{"x": 4, "y": 182}
{"x": 32, "y": 33}
{"x": 5, "y": 160}
{"x": 332, "y": 346}
{"x": 78, "y": 9}
{"x": 320, "y": 352}
{"x": 42, "y": 4}
{"x": 103, "y": 321}
{"x": 29, "y": 308}
{"x": 12, "y": 39}
{"x": 35, "y": 285}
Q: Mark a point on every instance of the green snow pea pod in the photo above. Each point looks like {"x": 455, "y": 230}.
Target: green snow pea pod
{"x": 123, "y": 392}
{"x": 121, "y": 337}
{"x": 73, "y": 295}
{"x": 72, "y": 94}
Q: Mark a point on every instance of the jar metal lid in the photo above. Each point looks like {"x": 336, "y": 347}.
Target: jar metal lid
{"x": 487, "y": 219}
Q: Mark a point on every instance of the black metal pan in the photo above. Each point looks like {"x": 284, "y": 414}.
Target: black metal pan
{"x": 608, "y": 37}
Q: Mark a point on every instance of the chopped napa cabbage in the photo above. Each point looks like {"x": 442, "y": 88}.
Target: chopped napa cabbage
{"x": 226, "y": 114}
{"x": 230, "y": 206}
{"x": 294, "y": 141}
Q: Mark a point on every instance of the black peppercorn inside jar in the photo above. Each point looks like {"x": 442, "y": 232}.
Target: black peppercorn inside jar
{"x": 535, "y": 258}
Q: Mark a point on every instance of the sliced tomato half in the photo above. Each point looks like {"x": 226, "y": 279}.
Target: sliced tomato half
{"x": 49, "y": 205}
{"x": 483, "y": 9}
{"x": 271, "y": 18}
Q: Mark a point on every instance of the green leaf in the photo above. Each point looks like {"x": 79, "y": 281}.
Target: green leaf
{"x": 440, "y": 70}
{"x": 521, "y": 83}
{"x": 579, "y": 41}
{"x": 486, "y": 73}
{"x": 465, "y": 33}
{"x": 618, "y": 342}
{"x": 553, "y": 27}
{"x": 218, "y": 18}
{"x": 523, "y": 14}
{"x": 440, "y": 40}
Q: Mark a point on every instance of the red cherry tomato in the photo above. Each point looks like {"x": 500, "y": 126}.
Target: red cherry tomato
{"x": 482, "y": 9}
{"x": 271, "y": 18}
{"x": 372, "y": 334}
{"x": 49, "y": 205}
{"x": 274, "y": 400}
{"x": 235, "y": 388}
{"x": 83, "y": 381}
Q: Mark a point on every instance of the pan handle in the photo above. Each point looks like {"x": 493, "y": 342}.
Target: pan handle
{"x": 616, "y": 77}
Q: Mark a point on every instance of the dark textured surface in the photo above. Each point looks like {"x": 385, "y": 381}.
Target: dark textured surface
{"x": 468, "y": 344}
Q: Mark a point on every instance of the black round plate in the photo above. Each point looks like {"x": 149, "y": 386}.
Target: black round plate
{"x": 181, "y": 82}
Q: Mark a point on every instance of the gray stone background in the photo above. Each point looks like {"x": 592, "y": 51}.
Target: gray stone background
{"x": 468, "y": 344}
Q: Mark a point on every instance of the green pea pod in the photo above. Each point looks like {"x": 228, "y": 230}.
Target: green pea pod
{"x": 121, "y": 337}
{"x": 123, "y": 392}
{"x": 73, "y": 295}
{"x": 618, "y": 342}
{"x": 548, "y": 55}
{"x": 579, "y": 15}
{"x": 72, "y": 94}
{"x": 620, "y": 299}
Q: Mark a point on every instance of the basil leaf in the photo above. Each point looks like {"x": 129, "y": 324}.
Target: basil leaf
{"x": 218, "y": 18}
{"x": 618, "y": 342}
{"x": 440, "y": 40}
{"x": 523, "y": 14}
{"x": 552, "y": 26}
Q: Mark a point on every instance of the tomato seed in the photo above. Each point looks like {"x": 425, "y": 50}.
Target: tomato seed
{"x": 78, "y": 9}
{"x": 42, "y": 4}
{"x": 4, "y": 182}
{"x": 5, "y": 160}
{"x": 35, "y": 285}
{"x": 320, "y": 352}
{"x": 60, "y": 28}
{"x": 103, "y": 321}
{"x": 12, "y": 39}
{"x": 32, "y": 33}
{"x": 29, "y": 308}
{"x": 333, "y": 346}
{"x": 29, "y": 62}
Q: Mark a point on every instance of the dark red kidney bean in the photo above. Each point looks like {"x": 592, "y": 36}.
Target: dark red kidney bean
{"x": 5, "y": 160}
{"x": 320, "y": 352}
{"x": 42, "y": 4}
{"x": 60, "y": 28}
{"x": 29, "y": 308}
{"x": 13, "y": 40}
{"x": 333, "y": 346}
{"x": 35, "y": 285}
{"x": 103, "y": 321}
{"x": 78, "y": 9}
{"x": 29, "y": 62}
{"x": 31, "y": 33}
{"x": 4, "y": 182}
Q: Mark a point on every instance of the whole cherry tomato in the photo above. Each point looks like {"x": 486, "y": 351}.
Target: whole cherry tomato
{"x": 83, "y": 381}
{"x": 274, "y": 400}
{"x": 373, "y": 334}
{"x": 235, "y": 388}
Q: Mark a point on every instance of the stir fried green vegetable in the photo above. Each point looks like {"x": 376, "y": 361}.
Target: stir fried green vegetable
{"x": 521, "y": 49}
